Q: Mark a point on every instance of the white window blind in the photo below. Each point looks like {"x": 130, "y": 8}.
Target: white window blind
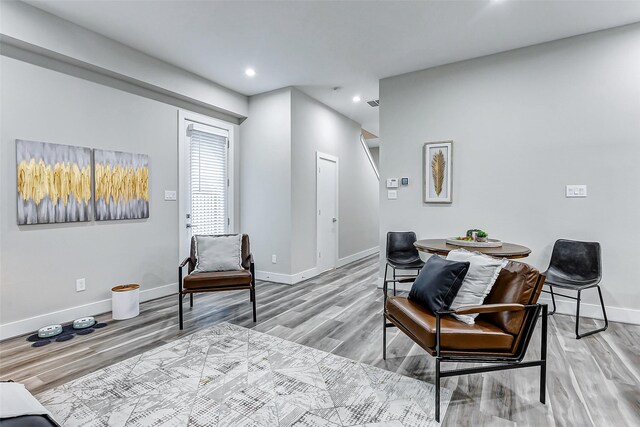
{"x": 209, "y": 185}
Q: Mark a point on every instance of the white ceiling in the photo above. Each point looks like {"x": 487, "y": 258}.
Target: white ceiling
{"x": 319, "y": 45}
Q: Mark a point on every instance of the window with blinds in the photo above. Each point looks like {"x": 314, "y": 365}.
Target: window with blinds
{"x": 208, "y": 178}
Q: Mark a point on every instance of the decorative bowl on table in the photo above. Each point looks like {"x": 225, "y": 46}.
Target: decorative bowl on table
{"x": 490, "y": 243}
{"x": 475, "y": 238}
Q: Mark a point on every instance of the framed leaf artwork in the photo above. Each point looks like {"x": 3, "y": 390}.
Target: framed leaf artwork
{"x": 437, "y": 171}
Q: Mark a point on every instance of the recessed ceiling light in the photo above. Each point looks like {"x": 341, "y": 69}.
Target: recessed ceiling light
{"x": 250, "y": 72}
{"x": 356, "y": 98}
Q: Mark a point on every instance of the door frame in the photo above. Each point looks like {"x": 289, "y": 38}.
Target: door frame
{"x": 334, "y": 159}
{"x": 183, "y": 165}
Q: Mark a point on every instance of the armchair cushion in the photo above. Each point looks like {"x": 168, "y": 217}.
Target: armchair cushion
{"x": 482, "y": 274}
{"x": 218, "y": 253}
{"x": 217, "y": 279}
{"x": 438, "y": 283}
{"x": 455, "y": 335}
{"x": 517, "y": 283}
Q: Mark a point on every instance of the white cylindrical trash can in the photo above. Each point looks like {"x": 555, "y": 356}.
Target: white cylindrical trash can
{"x": 125, "y": 301}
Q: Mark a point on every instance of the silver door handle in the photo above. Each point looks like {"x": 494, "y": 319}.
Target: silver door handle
{"x": 334, "y": 219}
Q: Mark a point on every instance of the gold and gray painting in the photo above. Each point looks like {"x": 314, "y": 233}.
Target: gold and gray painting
{"x": 53, "y": 183}
{"x": 121, "y": 185}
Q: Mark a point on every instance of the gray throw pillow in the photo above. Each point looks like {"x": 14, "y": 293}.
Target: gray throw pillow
{"x": 218, "y": 253}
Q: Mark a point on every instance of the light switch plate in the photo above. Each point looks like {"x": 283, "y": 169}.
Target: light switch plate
{"x": 574, "y": 190}
{"x": 392, "y": 183}
{"x": 392, "y": 194}
{"x": 170, "y": 195}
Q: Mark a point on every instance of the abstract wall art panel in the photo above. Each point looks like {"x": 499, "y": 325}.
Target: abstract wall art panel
{"x": 121, "y": 185}
{"x": 53, "y": 183}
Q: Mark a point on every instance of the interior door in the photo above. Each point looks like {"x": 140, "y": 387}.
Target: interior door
{"x": 205, "y": 191}
{"x": 327, "y": 204}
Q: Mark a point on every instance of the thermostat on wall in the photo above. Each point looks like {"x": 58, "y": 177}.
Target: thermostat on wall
{"x": 392, "y": 183}
{"x": 405, "y": 181}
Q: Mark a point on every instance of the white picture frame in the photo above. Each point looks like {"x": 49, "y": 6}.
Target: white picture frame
{"x": 437, "y": 157}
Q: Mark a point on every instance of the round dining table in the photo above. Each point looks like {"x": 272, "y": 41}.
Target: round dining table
{"x": 441, "y": 247}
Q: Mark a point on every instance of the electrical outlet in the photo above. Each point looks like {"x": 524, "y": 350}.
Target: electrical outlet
{"x": 170, "y": 195}
{"x": 574, "y": 190}
{"x": 80, "y": 285}
{"x": 274, "y": 259}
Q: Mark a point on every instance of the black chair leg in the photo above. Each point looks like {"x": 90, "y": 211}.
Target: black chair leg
{"x": 437, "y": 385}
{"x": 604, "y": 312}
{"x": 384, "y": 283}
{"x": 553, "y": 300}
{"x": 253, "y": 299}
{"x": 191, "y": 300}
{"x": 384, "y": 338}
{"x": 394, "y": 281}
{"x": 180, "y": 308}
{"x": 543, "y": 355}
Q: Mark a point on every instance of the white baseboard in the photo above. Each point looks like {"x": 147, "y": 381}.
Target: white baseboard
{"x": 357, "y": 256}
{"x": 292, "y": 279}
{"x": 31, "y": 324}
{"x": 593, "y": 311}
{"x": 287, "y": 279}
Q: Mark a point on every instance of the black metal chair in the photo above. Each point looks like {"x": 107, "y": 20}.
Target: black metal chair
{"x": 402, "y": 255}
{"x": 575, "y": 266}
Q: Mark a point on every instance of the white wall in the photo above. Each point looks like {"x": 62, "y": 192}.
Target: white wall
{"x": 280, "y": 139}
{"x": 375, "y": 154}
{"x": 46, "y": 34}
{"x": 316, "y": 127}
{"x": 265, "y": 180}
{"x": 40, "y": 263}
{"x": 524, "y": 124}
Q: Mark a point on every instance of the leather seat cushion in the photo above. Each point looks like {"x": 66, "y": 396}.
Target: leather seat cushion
{"x": 554, "y": 279}
{"x": 516, "y": 284}
{"x": 455, "y": 335}
{"x": 408, "y": 264}
{"x": 216, "y": 279}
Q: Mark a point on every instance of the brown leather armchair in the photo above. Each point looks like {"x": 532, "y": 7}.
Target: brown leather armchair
{"x": 500, "y": 335}
{"x": 217, "y": 281}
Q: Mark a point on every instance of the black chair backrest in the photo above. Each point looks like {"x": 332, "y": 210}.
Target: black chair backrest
{"x": 400, "y": 246}
{"x": 575, "y": 260}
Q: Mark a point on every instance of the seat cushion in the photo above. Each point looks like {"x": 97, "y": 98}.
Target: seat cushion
{"x": 517, "y": 283}
{"x": 216, "y": 279}
{"x": 455, "y": 335}
{"x": 406, "y": 264}
{"x": 438, "y": 283}
{"x": 554, "y": 279}
{"x": 482, "y": 274}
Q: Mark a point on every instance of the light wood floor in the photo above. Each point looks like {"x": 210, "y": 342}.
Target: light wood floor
{"x": 593, "y": 381}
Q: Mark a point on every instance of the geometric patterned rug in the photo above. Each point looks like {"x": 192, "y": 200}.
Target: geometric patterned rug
{"x": 228, "y": 375}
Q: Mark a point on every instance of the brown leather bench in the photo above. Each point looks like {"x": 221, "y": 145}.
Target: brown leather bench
{"x": 500, "y": 335}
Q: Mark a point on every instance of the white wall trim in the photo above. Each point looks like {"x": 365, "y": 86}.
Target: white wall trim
{"x": 184, "y": 192}
{"x": 292, "y": 279}
{"x": 334, "y": 159}
{"x": 287, "y": 279}
{"x": 31, "y": 324}
{"x": 357, "y": 256}
{"x": 593, "y": 311}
